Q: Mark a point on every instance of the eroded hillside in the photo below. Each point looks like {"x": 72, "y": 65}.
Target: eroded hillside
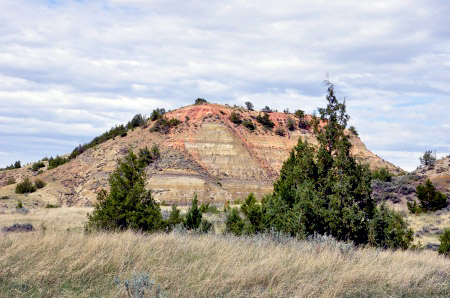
{"x": 205, "y": 154}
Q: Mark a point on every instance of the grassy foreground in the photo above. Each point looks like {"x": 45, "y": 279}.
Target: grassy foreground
{"x": 67, "y": 264}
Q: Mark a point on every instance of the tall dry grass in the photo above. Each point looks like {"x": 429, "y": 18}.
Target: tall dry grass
{"x": 65, "y": 264}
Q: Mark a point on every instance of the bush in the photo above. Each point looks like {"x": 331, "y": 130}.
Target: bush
{"x": 353, "y": 130}
{"x": 25, "y": 187}
{"x": 136, "y": 121}
{"x": 139, "y": 286}
{"x": 266, "y": 109}
{"x": 56, "y": 162}
{"x": 299, "y": 114}
{"x": 428, "y": 158}
{"x": 235, "y": 118}
{"x": 382, "y": 174}
{"x": 193, "y": 216}
{"x": 249, "y": 124}
{"x": 146, "y": 156}
{"x": 39, "y": 183}
{"x": 444, "y": 247}
{"x": 19, "y": 205}
{"x": 265, "y": 121}
{"x": 207, "y": 208}
{"x": 290, "y": 125}
{"x": 206, "y": 226}
{"x": 175, "y": 217}
{"x": 156, "y": 114}
{"x": 280, "y": 132}
{"x": 249, "y": 105}
{"x": 389, "y": 230}
{"x": 11, "y": 181}
{"x": 37, "y": 165}
{"x": 429, "y": 198}
{"x": 128, "y": 205}
{"x": 50, "y": 206}
{"x": 13, "y": 166}
{"x": 234, "y": 223}
{"x": 163, "y": 125}
{"x": 4, "y": 198}
{"x": 200, "y": 101}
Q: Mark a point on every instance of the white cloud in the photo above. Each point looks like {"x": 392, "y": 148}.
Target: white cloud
{"x": 91, "y": 64}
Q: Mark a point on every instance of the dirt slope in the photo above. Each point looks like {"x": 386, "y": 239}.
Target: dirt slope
{"x": 206, "y": 154}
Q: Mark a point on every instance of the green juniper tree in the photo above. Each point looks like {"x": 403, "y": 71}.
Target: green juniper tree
{"x": 128, "y": 205}
{"x": 325, "y": 190}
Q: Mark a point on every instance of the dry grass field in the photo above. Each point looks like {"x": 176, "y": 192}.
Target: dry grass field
{"x": 61, "y": 261}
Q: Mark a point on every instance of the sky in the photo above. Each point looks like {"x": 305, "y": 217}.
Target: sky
{"x": 70, "y": 70}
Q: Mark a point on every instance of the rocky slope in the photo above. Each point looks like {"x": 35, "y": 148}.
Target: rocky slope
{"x": 402, "y": 189}
{"x": 206, "y": 154}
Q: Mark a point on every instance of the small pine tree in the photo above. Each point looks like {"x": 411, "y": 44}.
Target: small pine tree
{"x": 249, "y": 105}
{"x": 389, "y": 230}
{"x": 428, "y": 158}
{"x": 235, "y": 118}
{"x": 193, "y": 216}
{"x": 175, "y": 217}
{"x": 200, "y": 101}
{"x": 128, "y": 205}
{"x": 234, "y": 223}
{"x": 444, "y": 247}
{"x": 430, "y": 199}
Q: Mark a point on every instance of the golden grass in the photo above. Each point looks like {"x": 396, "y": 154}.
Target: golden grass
{"x": 51, "y": 219}
{"x": 65, "y": 264}
{"x": 417, "y": 222}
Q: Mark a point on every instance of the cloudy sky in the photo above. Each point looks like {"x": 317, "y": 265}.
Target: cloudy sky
{"x": 69, "y": 70}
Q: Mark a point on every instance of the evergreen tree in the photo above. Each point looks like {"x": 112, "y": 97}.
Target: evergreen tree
{"x": 128, "y": 205}
{"x": 430, "y": 199}
{"x": 324, "y": 190}
{"x": 193, "y": 216}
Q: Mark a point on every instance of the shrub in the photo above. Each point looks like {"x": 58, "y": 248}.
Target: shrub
{"x": 25, "y": 187}
{"x": 234, "y": 223}
{"x": 265, "y": 121}
{"x": 128, "y": 205}
{"x": 49, "y": 206}
{"x": 249, "y": 124}
{"x": 428, "y": 158}
{"x": 353, "y": 130}
{"x": 37, "y": 165}
{"x": 235, "y": 118}
{"x": 193, "y": 216}
{"x": 249, "y": 105}
{"x": 136, "y": 121}
{"x": 382, "y": 174}
{"x": 10, "y": 181}
{"x": 200, "y": 101}
{"x": 444, "y": 247}
{"x": 290, "y": 125}
{"x": 299, "y": 114}
{"x": 266, "y": 109}
{"x": 207, "y": 208}
{"x": 279, "y": 131}
{"x": 389, "y": 230}
{"x": 248, "y": 203}
{"x": 139, "y": 286}
{"x": 146, "y": 156}
{"x": 163, "y": 125}
{"x": 4, "y": 198}
{"x": 39, "y": 183}
{"x": 205, "y": 226}
{"x": 15, "y": 165}
{"x": 56, "y": 162}
{"x": 175, "y": 217}
{"x": 429, "y": 198}
{"x": 156, "y": 114}
{"x": 19, "y": 204}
